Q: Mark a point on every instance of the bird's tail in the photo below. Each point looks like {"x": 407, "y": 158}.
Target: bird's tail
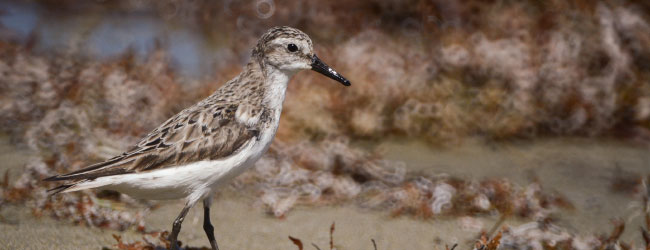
{"x": 60, "y": 189}
{"x": 76, "y": 186}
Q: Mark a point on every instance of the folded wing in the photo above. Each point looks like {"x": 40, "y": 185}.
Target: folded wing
{"x": 204, "y": 131}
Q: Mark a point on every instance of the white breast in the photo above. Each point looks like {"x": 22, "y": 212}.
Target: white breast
{"x": 275, "y": 89}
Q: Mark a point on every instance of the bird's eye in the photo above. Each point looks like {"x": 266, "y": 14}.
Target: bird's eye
{"x": 292, "y": 47}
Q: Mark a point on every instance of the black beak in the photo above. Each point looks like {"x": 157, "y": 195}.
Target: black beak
{"x": 320, "y": 67}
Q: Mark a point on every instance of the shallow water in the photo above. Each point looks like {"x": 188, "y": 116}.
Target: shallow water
{"x": 581, "y": 169}
{"x": 109, "y": 34}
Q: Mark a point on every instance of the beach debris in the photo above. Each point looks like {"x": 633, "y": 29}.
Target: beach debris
{"x": 492, "y": 244}
{"x": 151, "y": 241}
{"x": 296, "y": 242}
{"x": 646, "y": 212}
{"x": 332, "y": 236}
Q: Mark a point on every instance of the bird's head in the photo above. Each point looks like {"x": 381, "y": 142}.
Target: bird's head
{"x": 290, "y": 50}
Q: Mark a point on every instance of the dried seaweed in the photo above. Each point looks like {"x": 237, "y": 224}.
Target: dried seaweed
{"x": 151, "y": 241}
{"x": 332, "y": 236}
{"x": 646, "y": 212}
{"x": 536, "y": 236}
{"x": 296, "y": 242}
{"x": 485, "y": 244}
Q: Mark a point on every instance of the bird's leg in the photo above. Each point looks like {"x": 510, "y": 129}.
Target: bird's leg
{"x": 207, "y": 226}
{"x": 177, "y": 226}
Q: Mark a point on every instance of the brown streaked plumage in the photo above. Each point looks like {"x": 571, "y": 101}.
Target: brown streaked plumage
{"x": 207, "y": 130}
{"x": 209, "y": 143}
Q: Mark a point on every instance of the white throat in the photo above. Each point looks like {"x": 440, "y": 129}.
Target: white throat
{"x": 276, "y": 88}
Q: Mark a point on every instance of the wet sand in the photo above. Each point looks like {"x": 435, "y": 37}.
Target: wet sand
{"x": 12, "y": 157}
{"x": 579, "y": 168}
{"x": 239, "y": 225}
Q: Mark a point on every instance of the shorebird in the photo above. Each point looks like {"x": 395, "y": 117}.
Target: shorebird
{"x": 202, "y": 147}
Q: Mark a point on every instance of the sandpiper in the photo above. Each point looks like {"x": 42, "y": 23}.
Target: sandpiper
{"x": 211, "y": 142}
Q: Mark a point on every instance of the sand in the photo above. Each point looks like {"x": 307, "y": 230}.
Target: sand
{"x": 239, "y": 225}
{"x": 582, "y": 169}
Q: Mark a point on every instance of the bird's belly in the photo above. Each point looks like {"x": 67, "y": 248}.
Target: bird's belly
{"x": 195, "y": 180}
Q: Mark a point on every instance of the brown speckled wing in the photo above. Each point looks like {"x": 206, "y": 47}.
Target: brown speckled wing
{"x": 204, "y": 131}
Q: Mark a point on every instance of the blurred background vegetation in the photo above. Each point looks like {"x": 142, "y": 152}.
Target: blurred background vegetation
{"x": 80, "y": 81}
{"x": 439, "y": 70}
